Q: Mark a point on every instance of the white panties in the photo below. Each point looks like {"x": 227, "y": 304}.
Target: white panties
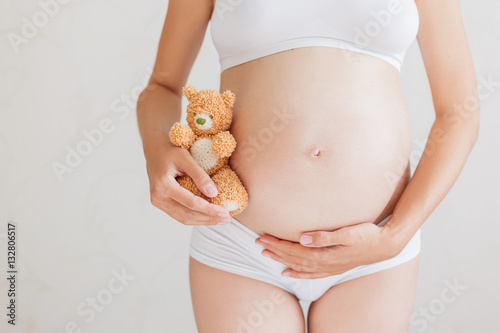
{"x": 232, "y": 248}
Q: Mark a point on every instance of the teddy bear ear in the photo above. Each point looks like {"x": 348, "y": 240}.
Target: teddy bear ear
{"x": 189, "y": 91}
{"x": 228, "y": 98}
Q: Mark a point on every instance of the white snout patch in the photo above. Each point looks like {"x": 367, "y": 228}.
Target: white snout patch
{"x": 202, "y": 153}
{"x": 208, "y": 121}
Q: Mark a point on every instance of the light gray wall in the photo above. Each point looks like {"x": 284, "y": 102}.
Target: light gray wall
{"x": 76, "y": 233}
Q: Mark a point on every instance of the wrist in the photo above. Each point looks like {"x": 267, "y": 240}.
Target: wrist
{"x": 154, "y": 142}
{"x": 395, "y": 238}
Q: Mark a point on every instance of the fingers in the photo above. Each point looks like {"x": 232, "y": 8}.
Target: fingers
{"x": 189, "y": 217}
{"x": 278, "y": 258}
{"x": 304, "y": 268}
{"x": 178, "y": 202}
{"x": 176, "y": 192}
{"x": 201, "y": 179}
{"x": 288, "y": 253}
{"x": 323, "y": 238}
{"x": 299, "y": 264}
{"x": 296, "y": 256}
{"x": 185, "y": 207}
{"x": 281, "y": 247}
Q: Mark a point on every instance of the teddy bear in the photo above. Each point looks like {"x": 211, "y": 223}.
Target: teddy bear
{"x": 207, "y": 138}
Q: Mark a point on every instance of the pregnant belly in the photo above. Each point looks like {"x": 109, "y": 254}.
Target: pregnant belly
{"x": 317, "y": 154}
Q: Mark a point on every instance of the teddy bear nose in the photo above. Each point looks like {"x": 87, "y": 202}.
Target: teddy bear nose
{"x": 200, "y": 121}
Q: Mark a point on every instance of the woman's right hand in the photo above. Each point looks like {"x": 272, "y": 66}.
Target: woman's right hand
{"x": 166, "y": 162}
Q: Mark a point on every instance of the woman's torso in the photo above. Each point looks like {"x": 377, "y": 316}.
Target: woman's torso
{"x": 323, "y": 139}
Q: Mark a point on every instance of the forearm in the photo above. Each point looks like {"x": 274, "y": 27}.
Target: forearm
{"x": 158, "y": 108}
{"x": 443, "y": 158}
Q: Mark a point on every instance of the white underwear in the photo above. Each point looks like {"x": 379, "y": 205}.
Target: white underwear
{"x": 232, "y": 248}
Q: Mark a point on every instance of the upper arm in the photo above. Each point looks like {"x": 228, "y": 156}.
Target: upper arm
{"x": 445, "y": 50}
{"x": 181, "y": 38}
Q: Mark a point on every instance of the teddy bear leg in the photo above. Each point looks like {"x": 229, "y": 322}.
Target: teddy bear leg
{"x": 232, "y": 194}
{"x": 188, "y": 183}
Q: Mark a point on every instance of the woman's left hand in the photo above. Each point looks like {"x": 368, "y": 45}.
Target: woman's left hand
{"x": 324, "y": 253}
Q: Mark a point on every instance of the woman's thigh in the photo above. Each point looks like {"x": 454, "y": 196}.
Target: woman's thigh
{"x": 378, "y": 302}
{"x": 226, "y": 302}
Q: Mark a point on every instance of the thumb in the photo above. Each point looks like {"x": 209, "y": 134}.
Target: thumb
{"x": 201, "y": 179}
{"x": 322, "y": 238}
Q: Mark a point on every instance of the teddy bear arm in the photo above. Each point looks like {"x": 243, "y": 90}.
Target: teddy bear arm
{"x": 224, "y": 144}
{"x": 182, "y": 135}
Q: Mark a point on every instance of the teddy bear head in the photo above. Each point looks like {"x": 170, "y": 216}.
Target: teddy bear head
{"x": 209, "y": 111}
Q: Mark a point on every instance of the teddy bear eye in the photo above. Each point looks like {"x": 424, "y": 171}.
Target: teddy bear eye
{"x": 211, "y": 117}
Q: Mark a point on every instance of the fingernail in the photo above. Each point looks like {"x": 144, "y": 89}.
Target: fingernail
{"x": 224, "y": 215}
{"x": 263, "y": 240}
{"x": 306, "y": 239}
{"x": 223, "y": 222}
{"x": 286, "y": 274}
{"x": 211, "y": 189}
{"x": 265, "y": 254}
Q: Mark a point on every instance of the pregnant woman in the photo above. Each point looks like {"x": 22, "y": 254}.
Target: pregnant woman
{"x": 324, "y": 141}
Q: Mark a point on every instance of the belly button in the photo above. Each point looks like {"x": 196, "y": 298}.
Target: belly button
{"x": 314, "y": 152}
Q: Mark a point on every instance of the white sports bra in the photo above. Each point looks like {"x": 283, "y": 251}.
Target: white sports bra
{"x": 244, "y": 30}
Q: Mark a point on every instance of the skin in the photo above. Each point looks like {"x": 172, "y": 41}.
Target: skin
{"x": 355, "y": 94}
{"x": 342, "y": 176}
{"x": 448, "y": 63}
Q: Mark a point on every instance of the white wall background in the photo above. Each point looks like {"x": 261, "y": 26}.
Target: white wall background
{"x": 75, "y": 234}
